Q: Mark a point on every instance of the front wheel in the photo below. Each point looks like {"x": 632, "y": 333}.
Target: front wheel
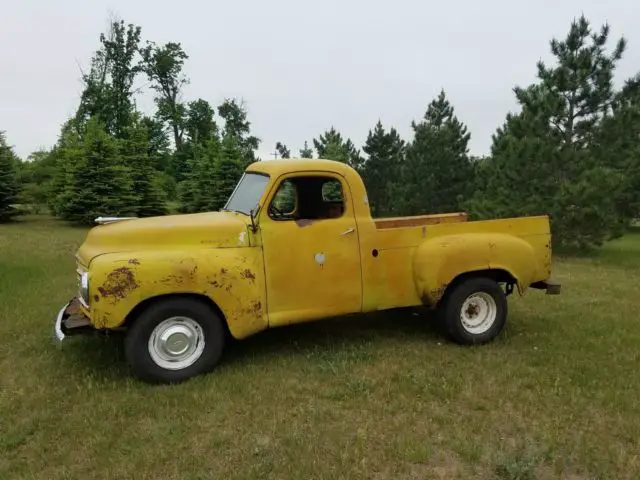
{"x": 475, "y": 312}
{"x": 173, "y": 340}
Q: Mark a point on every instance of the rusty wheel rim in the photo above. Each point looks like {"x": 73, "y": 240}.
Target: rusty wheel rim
{"x": 478, "y": 313}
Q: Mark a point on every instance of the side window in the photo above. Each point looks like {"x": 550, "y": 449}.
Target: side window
{"x": 284, "y": 201}
{"x": 332, "y": 191}
{"x": 333, "y": 198}
{"x": 307, "y": 198}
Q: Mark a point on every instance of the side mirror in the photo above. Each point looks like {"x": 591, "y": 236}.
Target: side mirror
{"x": 253, "y": 214}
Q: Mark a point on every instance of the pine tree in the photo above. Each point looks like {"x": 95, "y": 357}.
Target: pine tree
{"x": 617, "y": 145}
{"x": 215, "y": 170}
{"x": 579, "y": 89}
{"x": 150, "y": 199}
{"x": 197, "y": 192}
{"x": 230, "y": 169}
{"x": 67, "y": 152}
{"x": 306, "y": 151}
{"x": 550, "y": 158}
{"x": 8, "y": 180}
{"x": 332, "y": 146}
{"x": 513, "y": 181}
{"x": 96, "y": 183}
{"x": 437, "y": 174}
{"x": 382, "y": 168}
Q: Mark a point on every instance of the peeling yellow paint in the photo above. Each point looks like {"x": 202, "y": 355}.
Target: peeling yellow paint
{"x": 293, "y": 271}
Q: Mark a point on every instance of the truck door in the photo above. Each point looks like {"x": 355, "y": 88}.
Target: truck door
{"x": 311, "y": 249}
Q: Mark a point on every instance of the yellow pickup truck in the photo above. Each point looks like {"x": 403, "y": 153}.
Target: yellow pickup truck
{"x": 295, "y": 243}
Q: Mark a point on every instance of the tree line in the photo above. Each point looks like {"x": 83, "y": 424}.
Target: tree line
{"x": 572, "y": 151}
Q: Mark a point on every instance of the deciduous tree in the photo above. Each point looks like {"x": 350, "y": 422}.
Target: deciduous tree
{"x": 35, "y": 178}
{"x": 237, "y": 126}
{"x": 282, "y": 150}
{"x": 200, "y": 124}
{"x": 108, "y": 92}
{"x": 163, "y": 66}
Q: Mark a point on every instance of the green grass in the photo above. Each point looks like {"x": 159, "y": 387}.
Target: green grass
{"x": 377, "y": 397}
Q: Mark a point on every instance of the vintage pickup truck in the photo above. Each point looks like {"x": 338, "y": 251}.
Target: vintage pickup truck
{"x": 295, "y": 242}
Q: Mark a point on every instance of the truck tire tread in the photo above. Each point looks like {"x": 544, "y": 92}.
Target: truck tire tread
{"x": 137, "y": 338}
{"x": 450, "y": 311}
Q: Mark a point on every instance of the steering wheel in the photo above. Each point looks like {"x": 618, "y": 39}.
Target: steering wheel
{"x": 276, "y": 210}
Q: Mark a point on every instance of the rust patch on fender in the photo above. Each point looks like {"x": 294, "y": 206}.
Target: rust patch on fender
{"x": 224, "y": 280}
{"x": 248, "y": 275}
{"x": 118, "y": 284}
{"x": 134, "y": 261}
{"x": 255, "y": 308}
{"x": 174, "y": 279}
{"x": 96, "y": 298}
{"x": 187, "y": 268}
{"x": 104, "y": 320}
{"x": 436, "y": 293}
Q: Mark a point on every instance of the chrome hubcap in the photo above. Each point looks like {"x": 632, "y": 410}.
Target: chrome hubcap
{"x": 176, "y": 343}
{"x": 478, "y": 313}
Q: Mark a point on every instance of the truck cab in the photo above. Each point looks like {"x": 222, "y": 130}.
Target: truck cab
{"x": 295, "y": 242}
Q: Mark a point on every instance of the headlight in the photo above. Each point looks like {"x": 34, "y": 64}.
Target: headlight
{"x": 83, "y": 286}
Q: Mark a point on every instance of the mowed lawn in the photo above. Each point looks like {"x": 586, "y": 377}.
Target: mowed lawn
{"x": 379, "y": 397}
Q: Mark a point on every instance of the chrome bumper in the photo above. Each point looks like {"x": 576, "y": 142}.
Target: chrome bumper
{"x": 58, "y": 334}
{"x": 70, "y": 321}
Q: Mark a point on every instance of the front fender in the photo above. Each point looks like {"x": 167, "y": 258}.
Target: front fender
{"x": 231, "y": 277}
{"x": 441, "y": 259}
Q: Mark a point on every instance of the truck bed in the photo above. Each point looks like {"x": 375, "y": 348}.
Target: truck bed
{"x": 419, "y": 220}
{"x": 391, "y": 271}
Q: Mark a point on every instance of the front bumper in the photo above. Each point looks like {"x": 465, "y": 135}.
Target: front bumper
{"x": 70, "y": 321}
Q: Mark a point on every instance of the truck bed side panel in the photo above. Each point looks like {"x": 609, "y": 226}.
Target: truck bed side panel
{"x": 389, "y": 279}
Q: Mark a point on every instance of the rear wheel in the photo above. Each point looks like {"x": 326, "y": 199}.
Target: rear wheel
{"x": 475, "y": 311}
{"x": 173, "y": 340}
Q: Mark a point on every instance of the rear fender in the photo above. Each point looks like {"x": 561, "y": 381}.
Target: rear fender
{"x": 440, "y": 260}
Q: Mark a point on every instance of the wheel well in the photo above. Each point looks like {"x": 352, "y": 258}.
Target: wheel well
{"x": 146, "y": 303}
{"x": 497, "y": 274}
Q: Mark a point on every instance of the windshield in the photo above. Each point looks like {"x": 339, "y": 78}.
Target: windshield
{"x": 247, "y": 193}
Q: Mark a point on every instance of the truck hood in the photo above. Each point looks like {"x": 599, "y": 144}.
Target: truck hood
{"x": 208, "y": 230}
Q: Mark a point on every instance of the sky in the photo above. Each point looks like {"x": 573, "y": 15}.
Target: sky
{"x": 302, "y": 66}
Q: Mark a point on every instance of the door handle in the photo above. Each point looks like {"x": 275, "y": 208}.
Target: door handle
{"x": 348, "y": 231}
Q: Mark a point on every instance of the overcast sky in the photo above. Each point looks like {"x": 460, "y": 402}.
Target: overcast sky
{"x": 302, "y": 66}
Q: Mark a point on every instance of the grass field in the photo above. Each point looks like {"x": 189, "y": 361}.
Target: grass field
{"x": 379, "y": 397}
